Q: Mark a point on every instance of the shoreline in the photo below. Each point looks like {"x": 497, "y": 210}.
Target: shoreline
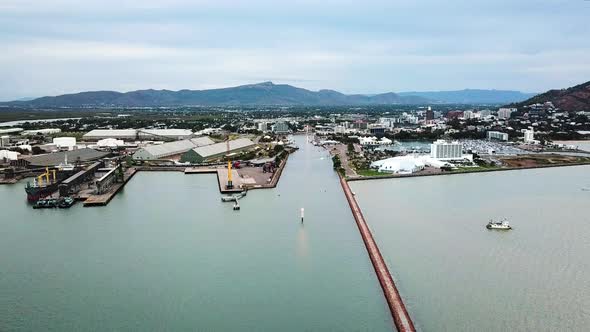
{"x": 393, "y": 176}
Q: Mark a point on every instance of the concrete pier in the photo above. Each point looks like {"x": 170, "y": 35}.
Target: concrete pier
{"x": 104, "y": 199}
{"x": 401, "y": 318}
{"x": 236, "y": 180}
{"x": 200, "y": 170}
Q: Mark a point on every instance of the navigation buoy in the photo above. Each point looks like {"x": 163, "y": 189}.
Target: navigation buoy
{"x": 302, "y": 213}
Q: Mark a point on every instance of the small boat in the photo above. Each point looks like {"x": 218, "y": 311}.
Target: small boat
{"x": 66, "y": 202}
{"x": 236, "y": 205}
{"x": 503, "y": 225}
{"x": 45, "y": 203}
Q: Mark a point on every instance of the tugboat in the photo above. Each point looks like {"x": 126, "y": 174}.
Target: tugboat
{"x": 502, "y": 225}
{"x": 46, "y": 203}
{"x": 66, "y": 202}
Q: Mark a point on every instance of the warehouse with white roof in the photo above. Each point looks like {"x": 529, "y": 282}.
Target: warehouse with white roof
{"x": 215, "y": 151}
{"x": 138, "y": 134}
{"x": 160, "y": 151}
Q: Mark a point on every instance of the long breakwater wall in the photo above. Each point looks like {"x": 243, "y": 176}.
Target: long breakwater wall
{"x": 401, "y": 318}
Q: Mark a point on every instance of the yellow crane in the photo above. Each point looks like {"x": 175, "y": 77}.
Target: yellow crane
{"x": 230, "y": 185}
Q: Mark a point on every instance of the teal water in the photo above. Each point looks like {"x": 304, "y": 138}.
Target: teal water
{"x": 167, "y": 254}
{"x": 455, "y": 275}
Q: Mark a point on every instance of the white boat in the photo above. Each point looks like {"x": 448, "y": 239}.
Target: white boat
{"x": 504, "y": 225}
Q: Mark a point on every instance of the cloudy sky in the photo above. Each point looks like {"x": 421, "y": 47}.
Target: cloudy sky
{"x": 50, "y": 47}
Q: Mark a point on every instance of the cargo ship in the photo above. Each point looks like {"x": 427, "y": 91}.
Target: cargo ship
{"x": 44, "y": 185}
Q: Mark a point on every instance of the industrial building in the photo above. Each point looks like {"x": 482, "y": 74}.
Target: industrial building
{"x": 496, "y": 135}
{"x": 8, "y": 155}
{"x": 138, "y": 134}
{"x": 65, "y": 143}
{"x": 110, "y": 143}
{"x": 54, "y": 159}
{"x": 215, "y": 151}
{"x": 7, "y": 131}
{"x": 442, "y": 149}
{"x": 159, "y": 151}
{"x": 46, "y": 131}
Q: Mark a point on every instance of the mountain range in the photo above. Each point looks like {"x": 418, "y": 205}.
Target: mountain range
{"x": 575, "y": 98}
{"x": 266, "y": 93}
{"x": 472, "y": 96}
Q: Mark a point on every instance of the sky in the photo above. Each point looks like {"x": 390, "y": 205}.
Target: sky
{"x": 52, "y": 47}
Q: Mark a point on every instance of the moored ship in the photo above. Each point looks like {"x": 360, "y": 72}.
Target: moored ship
{"x": 44, "y": 185}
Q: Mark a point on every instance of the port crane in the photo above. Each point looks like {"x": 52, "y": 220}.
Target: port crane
{"x": 230, "y": 184}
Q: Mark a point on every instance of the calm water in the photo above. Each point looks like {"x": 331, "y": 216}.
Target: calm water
{"x": 19, "y": 122}
{"x": 457, "y": 276}
{"x": 166, "y": 254}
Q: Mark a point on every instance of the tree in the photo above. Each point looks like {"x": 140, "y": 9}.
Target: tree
{"x": 37, "y": 150}
{"x": 278, "y": 148}
{"x": 336, "y": 161}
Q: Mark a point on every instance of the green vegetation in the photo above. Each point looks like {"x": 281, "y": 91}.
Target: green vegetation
{"x": 474, "y": 169}
{"x": 370, "y": 172}
{"x": 338, "y": 165}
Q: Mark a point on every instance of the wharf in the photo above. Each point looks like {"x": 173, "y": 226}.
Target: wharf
{"x": 8, "y": 181}
{"x": 104, "y": 199}
{"x": 199, "y": 170}
{"x": 222, "y": 179}
{"x": 403, "y": 321}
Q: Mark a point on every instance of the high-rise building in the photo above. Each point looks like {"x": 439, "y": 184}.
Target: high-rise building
{"x": 529, "y": 135}
{"x": 505, "y": 113}
{"x": 281, "y": 128}
{"x": 442, "y": 149}
{"x": 497, "y": 136}
{"x": 468, "y": 115}
{"x": 454, "y": 114}
{"x": 429, "y": 114}
{"x": 484, "y": 113}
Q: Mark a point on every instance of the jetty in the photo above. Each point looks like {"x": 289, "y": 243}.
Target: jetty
{"x": 104, "y": 198}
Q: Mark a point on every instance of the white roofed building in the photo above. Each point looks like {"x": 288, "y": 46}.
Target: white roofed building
{"x": 110, "y": 143}
{"x": 138, "y": 134}
{"x": 8, "y": 155}
{"x": 65, "y": 142}
{"x": 215, "y": 151}
{"x": 399, "y": 165}
{"x": 159, "y": 151}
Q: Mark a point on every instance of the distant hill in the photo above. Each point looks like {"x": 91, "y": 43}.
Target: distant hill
{"x": 576, "y": 98}
{"x": 266, "y": 93}
{"x": 472, "y": 96}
